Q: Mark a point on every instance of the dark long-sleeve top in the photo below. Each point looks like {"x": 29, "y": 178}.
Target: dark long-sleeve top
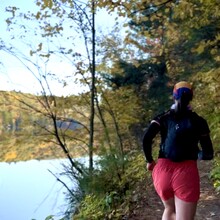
{"x": 189, "y": 139}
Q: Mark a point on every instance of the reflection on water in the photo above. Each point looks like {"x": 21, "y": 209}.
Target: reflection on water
{"x": 28, "y": 191}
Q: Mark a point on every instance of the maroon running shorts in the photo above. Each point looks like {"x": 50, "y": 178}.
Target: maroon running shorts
{"x": 179, "y": 179}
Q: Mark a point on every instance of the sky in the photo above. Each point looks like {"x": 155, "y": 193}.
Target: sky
{"x": 14, "y": 75}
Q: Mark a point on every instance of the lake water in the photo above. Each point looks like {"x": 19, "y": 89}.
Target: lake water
{"x": 29, "y": 191}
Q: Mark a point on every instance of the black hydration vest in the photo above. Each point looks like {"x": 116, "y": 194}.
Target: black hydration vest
{"x": 179, "y": 137}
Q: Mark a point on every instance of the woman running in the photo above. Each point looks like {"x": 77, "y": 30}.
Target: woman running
{"x": 184, "y": 139}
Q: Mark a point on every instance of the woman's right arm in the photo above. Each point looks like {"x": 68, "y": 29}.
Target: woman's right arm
{"x": 149, "y": 135}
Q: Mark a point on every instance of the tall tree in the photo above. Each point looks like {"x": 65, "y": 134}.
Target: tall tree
{"x": 82, "y": 18}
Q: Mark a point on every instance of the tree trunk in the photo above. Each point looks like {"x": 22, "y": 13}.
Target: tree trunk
{"x": 91, "y": 141}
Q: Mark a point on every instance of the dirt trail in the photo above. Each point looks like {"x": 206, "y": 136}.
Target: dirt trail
{"x": 147, "y": 205}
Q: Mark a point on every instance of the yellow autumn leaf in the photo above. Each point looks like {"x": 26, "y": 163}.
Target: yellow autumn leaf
{"x": 214, "y": 51}
{"x": 217, "y": 58}
{"x": 38, "y": 15}
{"x": 9, "y": 156}
{"x": 200, "y": 48}
{"x": 48, "y": 3}
{"x": 217, "y": 37}
{"x": 167, "y": 10}
{"x": 144, "y": 18}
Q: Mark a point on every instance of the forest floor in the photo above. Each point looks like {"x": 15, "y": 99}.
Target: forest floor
{"x": 147, "y": 205}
